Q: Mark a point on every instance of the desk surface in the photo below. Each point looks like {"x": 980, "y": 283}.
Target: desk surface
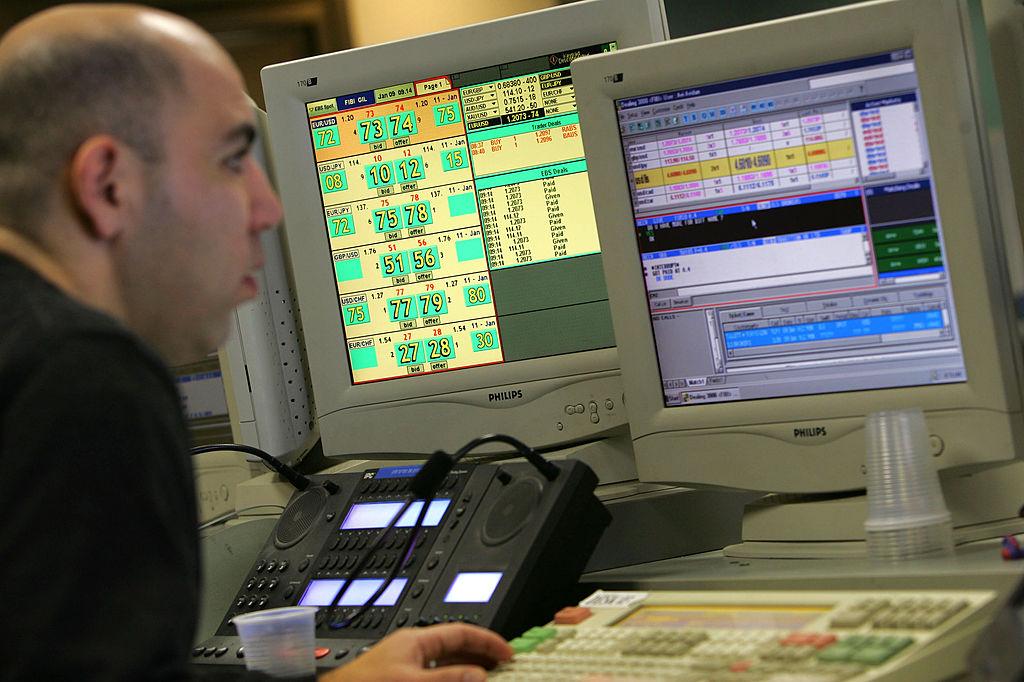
{"x": 976, "y": 565}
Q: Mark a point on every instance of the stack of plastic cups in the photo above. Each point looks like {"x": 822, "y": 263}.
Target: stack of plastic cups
{"x": 907, "y": 515}
{"x": 279, "y": 642}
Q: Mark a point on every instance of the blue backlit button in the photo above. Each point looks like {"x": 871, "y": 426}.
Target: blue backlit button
{"x": 220, "y": 651}
{"x": 321, "y": 651}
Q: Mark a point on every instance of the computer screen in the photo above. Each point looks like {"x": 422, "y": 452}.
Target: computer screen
{"x": 788, "y": 231}
{"x": 442, "y": 236}
{"x": 799, "y": 231}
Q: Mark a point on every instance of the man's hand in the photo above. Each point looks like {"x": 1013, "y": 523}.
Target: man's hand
{"x": 460, "y": 653}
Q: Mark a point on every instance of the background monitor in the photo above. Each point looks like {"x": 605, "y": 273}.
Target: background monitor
{"x": 441, "y": 232}
{"x": 800, "y": 227}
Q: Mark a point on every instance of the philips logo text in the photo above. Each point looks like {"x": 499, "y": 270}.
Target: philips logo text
{"x": 810, "y": 432}
{"x": 504, "y": 395}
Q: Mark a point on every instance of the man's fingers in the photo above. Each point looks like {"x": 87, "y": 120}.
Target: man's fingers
{"x": 453, "y": 673}
{"x": 462, "y": 642}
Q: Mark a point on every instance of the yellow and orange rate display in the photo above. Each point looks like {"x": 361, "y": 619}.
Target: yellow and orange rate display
{"x": 743, "y": 157}
{"x": 427, "y": 189}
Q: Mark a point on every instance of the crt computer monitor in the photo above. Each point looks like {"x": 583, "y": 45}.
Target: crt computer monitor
{"x": 441, "y": 233}
{"x": 800, "y": 228}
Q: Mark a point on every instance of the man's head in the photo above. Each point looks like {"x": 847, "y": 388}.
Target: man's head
{"x": 124, "y": 154}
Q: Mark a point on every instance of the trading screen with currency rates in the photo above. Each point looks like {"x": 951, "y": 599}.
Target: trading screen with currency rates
{"x": 460, "y": 221}
{"x": 789, "y": 234}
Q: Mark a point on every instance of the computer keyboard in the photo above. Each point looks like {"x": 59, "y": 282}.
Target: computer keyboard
{"x": 754, "y": 637}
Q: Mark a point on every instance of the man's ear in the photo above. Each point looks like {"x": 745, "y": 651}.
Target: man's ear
{"x": 105, "y": 176}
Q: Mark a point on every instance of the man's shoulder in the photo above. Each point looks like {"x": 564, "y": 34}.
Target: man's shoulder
{"x": 44, "y": 328}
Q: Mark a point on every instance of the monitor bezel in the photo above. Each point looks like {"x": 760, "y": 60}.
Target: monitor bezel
{"x": 757, "y": 444}
{"x": 341, "y": 405}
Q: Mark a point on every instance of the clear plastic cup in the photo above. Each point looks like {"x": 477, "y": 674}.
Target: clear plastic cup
{"x": 279, "y": 642}
{"x": 907, "y": 514}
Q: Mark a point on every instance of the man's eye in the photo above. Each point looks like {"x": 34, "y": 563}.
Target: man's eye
{"x": 236, "y": 162}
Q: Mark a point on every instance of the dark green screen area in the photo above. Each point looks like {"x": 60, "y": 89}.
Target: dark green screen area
{"x": 548, "y": 285}
{"x": 552, "y": 308}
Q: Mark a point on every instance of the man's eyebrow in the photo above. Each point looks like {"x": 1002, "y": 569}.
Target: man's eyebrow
{"x": 244, "y": 133}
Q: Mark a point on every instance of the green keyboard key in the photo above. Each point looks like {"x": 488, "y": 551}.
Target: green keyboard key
{"x": 540, "y": 633}
{"x": 522, "y": 645}
{"x": 856, "y": 641}
{"x": 837, "y": 653}
{"x": 873, "y": 655}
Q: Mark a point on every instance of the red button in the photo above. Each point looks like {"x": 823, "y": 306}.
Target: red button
{"x": 822, "y": 641}
{"x": 321, "y": 651}
{"x": 572, "y": 615}
{"x": 798, "y": 639}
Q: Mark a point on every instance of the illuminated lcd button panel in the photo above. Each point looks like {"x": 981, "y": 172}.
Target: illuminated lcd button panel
{"x": 430, "y": 186}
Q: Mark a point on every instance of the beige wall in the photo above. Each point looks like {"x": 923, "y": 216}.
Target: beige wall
{"x": 378, "y": 21}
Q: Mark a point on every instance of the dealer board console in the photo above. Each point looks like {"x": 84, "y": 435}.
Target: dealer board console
{"x": 501, "y": 546}
{"x": 765, "y": 636}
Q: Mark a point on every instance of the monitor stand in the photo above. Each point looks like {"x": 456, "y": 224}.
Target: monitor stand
{"x": 984, "y": 503}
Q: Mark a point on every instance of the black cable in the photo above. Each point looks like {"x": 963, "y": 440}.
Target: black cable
{"x": 297, "y": 480}
{"x": 497, "y": 456}
{"x": 546, "y": 468}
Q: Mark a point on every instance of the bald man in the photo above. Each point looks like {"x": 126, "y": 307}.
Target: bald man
{"x": 130, "y": 216}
